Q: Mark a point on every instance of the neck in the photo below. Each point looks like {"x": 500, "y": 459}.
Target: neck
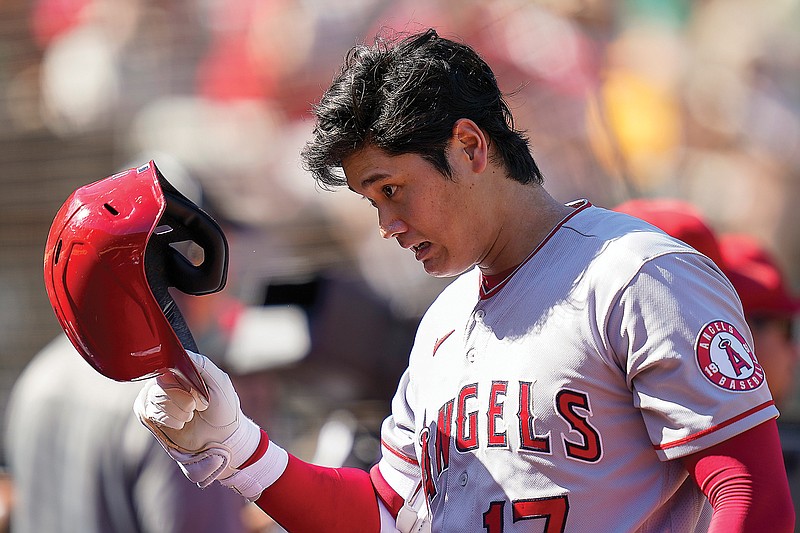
{"x": 530, "y": 216}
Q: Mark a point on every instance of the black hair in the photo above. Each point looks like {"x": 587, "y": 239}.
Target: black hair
{"x": 405, "y": 97}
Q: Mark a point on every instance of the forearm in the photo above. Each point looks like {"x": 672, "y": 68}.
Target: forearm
{"x": 745, "y": 481}
{"x": 307, "y": 499}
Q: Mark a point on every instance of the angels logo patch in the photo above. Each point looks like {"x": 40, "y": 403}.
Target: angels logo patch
{"x": 726, "y": 359}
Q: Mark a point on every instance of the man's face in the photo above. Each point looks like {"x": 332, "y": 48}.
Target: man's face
{"x": 442, "y": 221}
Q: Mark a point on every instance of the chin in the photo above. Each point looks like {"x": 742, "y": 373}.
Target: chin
{"x": 443, "y": 271}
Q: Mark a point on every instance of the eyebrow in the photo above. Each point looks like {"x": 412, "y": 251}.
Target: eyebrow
{"x": 371, "y": 180}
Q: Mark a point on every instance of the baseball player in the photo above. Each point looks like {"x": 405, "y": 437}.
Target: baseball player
{"x": 583, "y": 372}
{"x": 770, "y": 307}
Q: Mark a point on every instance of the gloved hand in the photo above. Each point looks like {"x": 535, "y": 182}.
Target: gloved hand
{"x": 209, "y": 440}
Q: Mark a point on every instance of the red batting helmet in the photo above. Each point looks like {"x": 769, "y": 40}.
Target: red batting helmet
{"x": 758, "y": 278}
{"x": 96, "y": 272}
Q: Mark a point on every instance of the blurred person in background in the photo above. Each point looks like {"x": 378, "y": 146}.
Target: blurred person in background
{"x": 769, "y": 306}
{"x": 6, "y": 500}
{"x": 678, "y": 218}
{"x": 79, "y": 460}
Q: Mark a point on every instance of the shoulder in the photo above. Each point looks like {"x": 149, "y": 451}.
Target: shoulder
{"x": 626, "y": 243}
{"x": 622, "y": 231}
{"x": 600, "y": 253}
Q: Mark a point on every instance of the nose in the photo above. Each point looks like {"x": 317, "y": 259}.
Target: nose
{"x": 391, "y": 228}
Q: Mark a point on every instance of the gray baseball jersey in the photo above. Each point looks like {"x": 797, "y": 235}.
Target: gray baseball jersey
{"x": 556, "y": 401}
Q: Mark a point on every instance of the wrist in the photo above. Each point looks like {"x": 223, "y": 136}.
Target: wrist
{"x": 259, "y": 452}
{"x": 265, "y": 465}
{"x": 242, "y": 444}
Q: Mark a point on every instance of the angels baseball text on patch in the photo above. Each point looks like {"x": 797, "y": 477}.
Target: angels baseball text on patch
{"x": 726, "y": 359}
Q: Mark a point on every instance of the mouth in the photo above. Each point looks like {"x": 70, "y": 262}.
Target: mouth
{"x": 420, "y": 248}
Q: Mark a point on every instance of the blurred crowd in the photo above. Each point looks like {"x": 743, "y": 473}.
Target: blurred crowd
{"x": 624, "y": 98}
{"x": 697, "y": 100}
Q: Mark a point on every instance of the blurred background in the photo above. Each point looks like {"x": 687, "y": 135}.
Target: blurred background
{"x": 696, "y": 100}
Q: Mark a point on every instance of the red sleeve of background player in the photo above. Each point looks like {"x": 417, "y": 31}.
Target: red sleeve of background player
{"x": 309, "y": 499}
{"x": 745, "y": 480}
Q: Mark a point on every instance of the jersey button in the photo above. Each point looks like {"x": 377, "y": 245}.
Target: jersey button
{"x": 479, "y": 314}
{"x": 471, "y": 355}
{"x": 462, "y": 479}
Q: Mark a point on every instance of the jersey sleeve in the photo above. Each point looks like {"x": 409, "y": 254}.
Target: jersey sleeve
{"x": 678, "y": 332}
{"x": 398, "y": 466}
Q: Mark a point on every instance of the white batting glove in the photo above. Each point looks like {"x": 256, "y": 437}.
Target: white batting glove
{"x": 209, "y": 440}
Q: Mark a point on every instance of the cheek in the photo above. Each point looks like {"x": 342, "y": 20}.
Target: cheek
{"x": 446, "y": 220}
{"x": 432, "y": 219}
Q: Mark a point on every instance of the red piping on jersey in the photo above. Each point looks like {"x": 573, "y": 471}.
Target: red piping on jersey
{"x": 484, "y": 294}
{"x": 399, "y": 454}
{"x": 712, "y": 429}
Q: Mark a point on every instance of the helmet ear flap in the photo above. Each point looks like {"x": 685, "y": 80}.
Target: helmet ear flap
{"x": 181, "y": 221}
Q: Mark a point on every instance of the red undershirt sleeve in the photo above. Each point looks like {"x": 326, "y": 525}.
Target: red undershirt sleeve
{"x": 745, "y": 481}
{"x": 309, "y": 498}
{"x": 393, "y": 501}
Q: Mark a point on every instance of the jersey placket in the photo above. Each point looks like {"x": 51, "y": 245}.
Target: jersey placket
{"x": 477, "y": 367}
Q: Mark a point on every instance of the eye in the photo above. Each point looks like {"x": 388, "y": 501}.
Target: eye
{"x": 388, "y": 190}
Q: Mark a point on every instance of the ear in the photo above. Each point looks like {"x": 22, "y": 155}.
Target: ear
{"x": 470, "y": 145}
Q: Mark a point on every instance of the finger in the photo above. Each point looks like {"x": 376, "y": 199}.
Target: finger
{"x": 169, "y": 404}
{"x": 220, "y": 388}
{"x": 150, "y": 413}
{"x": 199, "y": 360}
{"x": 174, "y": 379}
{"x": 201, "y": 404}
{"x": 204, "y": 366}
{"x": 217, "y": 381}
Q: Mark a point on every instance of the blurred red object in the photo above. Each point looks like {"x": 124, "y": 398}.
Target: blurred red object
{"x": 757, "y": 277}
{"x": 52, "y": 18}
